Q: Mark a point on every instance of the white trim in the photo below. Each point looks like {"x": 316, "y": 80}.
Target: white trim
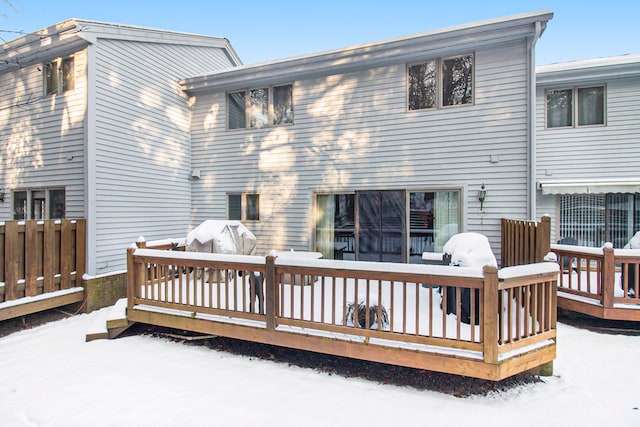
{"x": 90, "y": 161}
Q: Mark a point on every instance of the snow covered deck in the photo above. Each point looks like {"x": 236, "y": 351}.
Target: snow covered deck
{"x": 600, "y": 282}
{"x": 409, "y": 315}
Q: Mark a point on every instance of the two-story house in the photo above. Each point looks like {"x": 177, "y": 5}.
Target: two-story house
{"x": 374, "y": 152}
{"x": 94, "y": 125}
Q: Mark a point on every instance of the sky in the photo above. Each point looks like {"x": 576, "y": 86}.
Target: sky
{"x": 263, "y": 31}
{"x": 52, "y": 377}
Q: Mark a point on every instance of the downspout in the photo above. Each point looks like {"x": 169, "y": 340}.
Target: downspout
{"x": 531, "y": 200}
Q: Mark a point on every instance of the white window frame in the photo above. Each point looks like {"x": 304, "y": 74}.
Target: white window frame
{"x": 575, "y": 101}
{"x": 270, "y": 120}
{"x": 30, "y": 193}
{"x": 244, "y": 206}
{"x": 439, "y": 80}
{"x": 60, "y": 75}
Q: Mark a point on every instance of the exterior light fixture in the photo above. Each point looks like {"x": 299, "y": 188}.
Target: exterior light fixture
{"x": 1, "y": 195}
{"x": 482, "y": 194}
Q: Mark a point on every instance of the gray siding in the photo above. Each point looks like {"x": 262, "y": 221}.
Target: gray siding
{"x": 42, "y": 137}
{"x": 353, "y": 131}
{"x": 592, "y": 153}
{"x": 142, "y": 141}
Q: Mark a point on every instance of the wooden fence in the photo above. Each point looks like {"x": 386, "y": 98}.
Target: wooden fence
{"x": 39, "y": 259}
{"x": 600, "y": 282}
{"x": 481, "y": 323}
{"x": 524, "y": 242}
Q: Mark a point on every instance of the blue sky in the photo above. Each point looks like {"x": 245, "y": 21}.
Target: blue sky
{"x": 266, "y": 30}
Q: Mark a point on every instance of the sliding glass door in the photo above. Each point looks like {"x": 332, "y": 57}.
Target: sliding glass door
{"x": 381, "y": 226}
{"x": 385, "y": 225}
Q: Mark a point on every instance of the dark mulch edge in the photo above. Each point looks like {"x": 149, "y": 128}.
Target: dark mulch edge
{"x": 30, "y": 321}
{"x": 423, "y": 380}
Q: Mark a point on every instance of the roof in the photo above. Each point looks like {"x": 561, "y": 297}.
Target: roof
{"x": 590, "y": 69}
{"x": 74, "y": 34}
{"x": 446, "y": 41}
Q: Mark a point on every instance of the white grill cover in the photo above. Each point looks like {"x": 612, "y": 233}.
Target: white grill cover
{"x": 221, "y": 237}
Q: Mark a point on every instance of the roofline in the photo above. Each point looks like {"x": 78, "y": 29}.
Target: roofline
{"x": 73, "y": 34}
{"x": 589, "y": 69}
{"x": 414, "y": 47}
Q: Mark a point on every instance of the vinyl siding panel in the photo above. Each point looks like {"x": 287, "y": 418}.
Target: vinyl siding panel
{"x": 42, "y": 137}
{"x": 353, "y": 132}
{"x": 143, "y": 164}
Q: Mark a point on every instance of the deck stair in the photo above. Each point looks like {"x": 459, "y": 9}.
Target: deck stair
{"x": 110, "y": 323}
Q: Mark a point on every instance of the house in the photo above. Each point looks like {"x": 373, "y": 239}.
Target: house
{"x": 588, "y": 149}
{"x": 375, "y": 152}
{"x": 95, "y": 126}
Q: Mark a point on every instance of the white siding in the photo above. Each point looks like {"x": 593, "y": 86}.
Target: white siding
{"x": 592, "y": 153}
{"x": 353, "y": 131}
{"x": 42, "y": 137}
{"x": 143, "y": 143}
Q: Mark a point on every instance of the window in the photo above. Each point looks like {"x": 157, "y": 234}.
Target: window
{"x": 243, "y": 206}
{"x": 261, "y": 107}
{"x": 572, "y": 107}
{"x": 59, "y": 76}
{"x": 441, "y": 83}
{"x": 39, "y": 204}
{"x": 593, "y": 219}
{"x": 433, "y": 217}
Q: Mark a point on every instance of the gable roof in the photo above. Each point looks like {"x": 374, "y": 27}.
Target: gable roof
{"x": 74, "y": 34}
{"x": 590, "y": 69}
{"x": 446, "y": 41}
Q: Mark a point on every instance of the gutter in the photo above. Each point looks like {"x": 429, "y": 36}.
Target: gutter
{"x": 531, "y": 202}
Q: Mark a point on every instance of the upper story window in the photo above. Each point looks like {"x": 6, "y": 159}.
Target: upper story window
{"x": 261, "y": 107}
{"x": 441, "y": 83}
{"x": 573, "y": 107}
{"x": 59, "y": 76}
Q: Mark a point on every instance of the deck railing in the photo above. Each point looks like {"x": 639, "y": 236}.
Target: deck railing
{"x": 601, "y": 282}
{"x": 393, "y": 313}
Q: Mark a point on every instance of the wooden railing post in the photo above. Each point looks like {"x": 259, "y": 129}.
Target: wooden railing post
{"x": 490, "y": 314}
{"x": 270, "y": 291}
{"x": 131, "y": 277}
{"x": 543, "y": 239}
{"x": 608, "y": 276}
{"x": 135, "y": 273}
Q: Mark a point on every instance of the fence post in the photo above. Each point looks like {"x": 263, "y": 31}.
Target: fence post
{"x": 81, "y": 250}
{"x": 490, "y": 314}
{"x": 543, "y": 239}
{"x": 31, "y": 258}
{"x": 11, "y": 260}
{"x": 608, "y": 275}
{"x": 270, "y": 290}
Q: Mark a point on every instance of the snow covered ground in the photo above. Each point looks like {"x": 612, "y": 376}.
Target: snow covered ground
{"x": 49, "y": 376}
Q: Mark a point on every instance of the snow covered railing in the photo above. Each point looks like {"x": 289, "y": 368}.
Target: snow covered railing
{"x": 601, "y": 282}
{"x": 475, "y": 322}
{"x": 39, "y": 258}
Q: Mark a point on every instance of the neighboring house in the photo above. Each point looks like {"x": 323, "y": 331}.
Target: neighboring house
{"x": 374, "y": 152}
{"x": 94, "y": 125}
{"x": 588, "y": 149}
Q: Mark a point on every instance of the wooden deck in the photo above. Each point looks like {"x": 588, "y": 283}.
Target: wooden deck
{"x": 308, "y": 304}
{"x": 599, "y": 282}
